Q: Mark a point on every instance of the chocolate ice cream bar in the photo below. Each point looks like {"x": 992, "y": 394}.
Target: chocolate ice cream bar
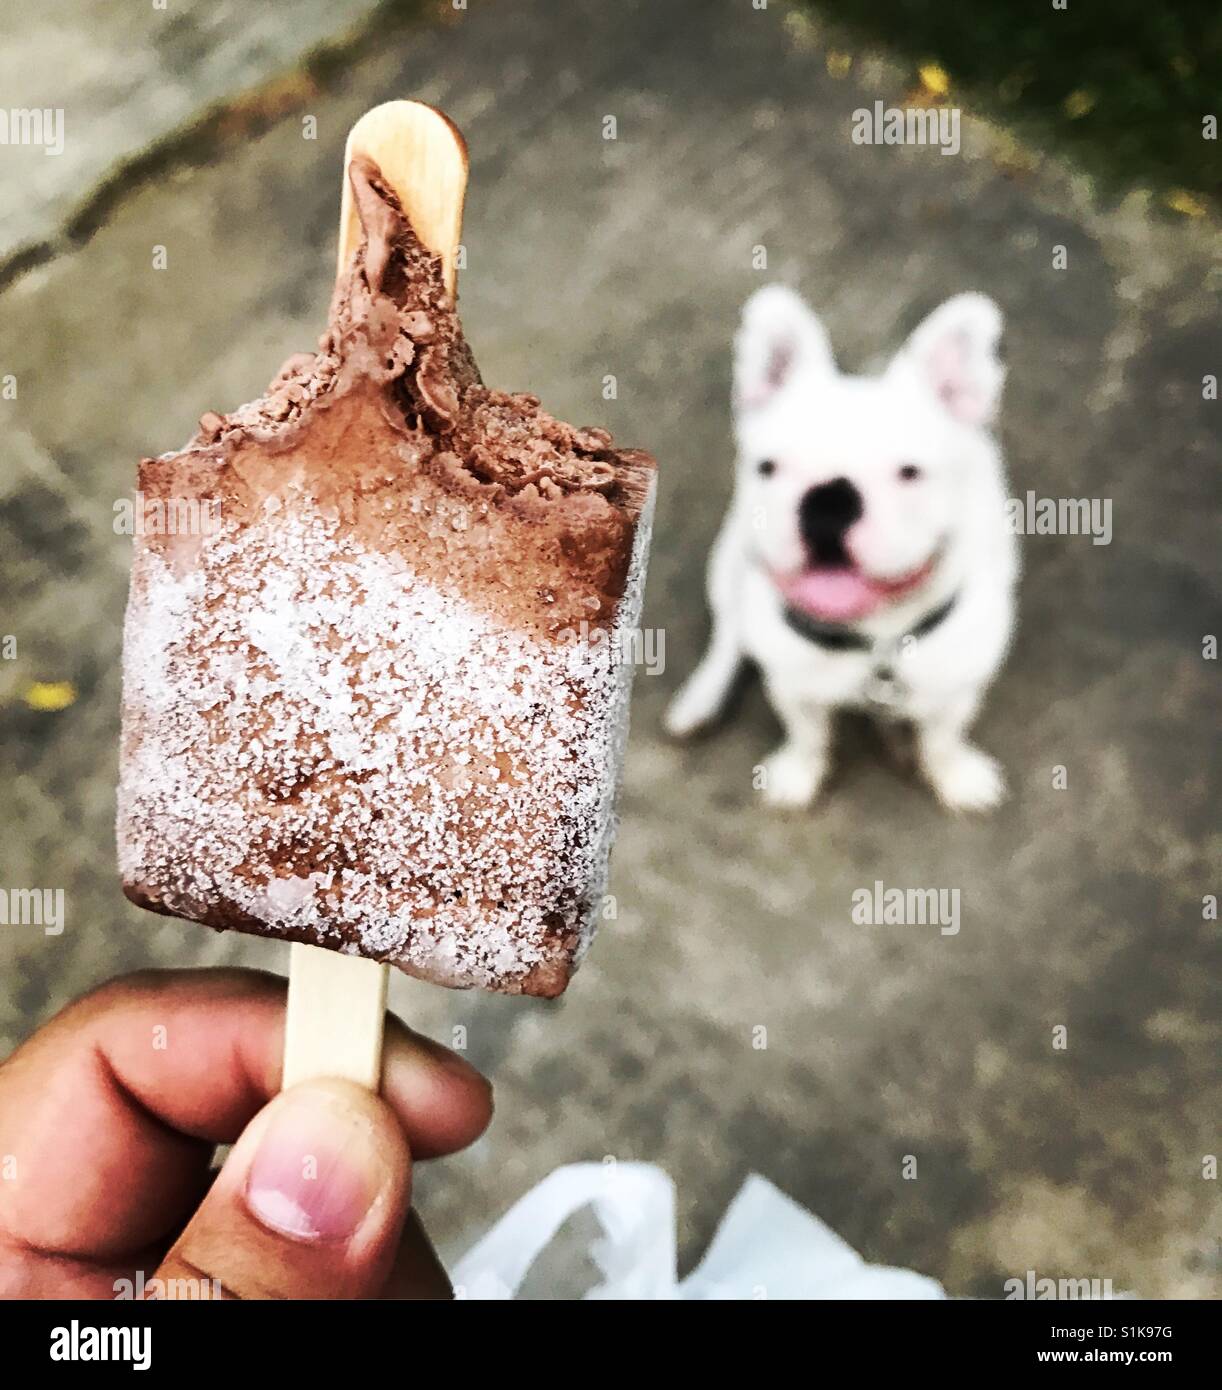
{"x": 377, "y": 705}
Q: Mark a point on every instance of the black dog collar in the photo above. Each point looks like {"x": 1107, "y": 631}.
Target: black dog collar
{"x": 834, "y": 638}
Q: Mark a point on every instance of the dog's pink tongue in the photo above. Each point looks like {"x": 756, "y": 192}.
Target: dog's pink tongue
{"x": 835, "y": 595}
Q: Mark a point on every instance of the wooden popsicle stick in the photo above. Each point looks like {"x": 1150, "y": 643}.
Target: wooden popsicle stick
{"x": 423, "y": 157}
{"x": 337, "y": 1003}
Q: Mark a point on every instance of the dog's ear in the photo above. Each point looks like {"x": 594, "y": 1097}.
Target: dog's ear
{"x": 778, "y": 336}
{"x": 954, "y": 354}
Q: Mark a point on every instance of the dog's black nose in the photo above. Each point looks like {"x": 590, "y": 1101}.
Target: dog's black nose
{"x": 824, "y": 515}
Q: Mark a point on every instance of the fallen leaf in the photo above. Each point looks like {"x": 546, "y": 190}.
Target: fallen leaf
{"x": 50, "y": 695}
{"x": 935, "y": 78}
{"x": 1180, "y": 200}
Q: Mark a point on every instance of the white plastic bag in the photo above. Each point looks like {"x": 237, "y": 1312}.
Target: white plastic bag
{"x": 766, "y": 1246}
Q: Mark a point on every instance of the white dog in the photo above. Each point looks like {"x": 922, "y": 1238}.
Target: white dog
{"x": 865, "y": 560}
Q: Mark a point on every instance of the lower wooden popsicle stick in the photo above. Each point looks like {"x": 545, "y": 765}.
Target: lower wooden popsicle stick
{"x": 337, "y": 1008}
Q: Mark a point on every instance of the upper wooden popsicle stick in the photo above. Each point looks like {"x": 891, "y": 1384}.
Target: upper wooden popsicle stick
{"x": 423, "y": 157}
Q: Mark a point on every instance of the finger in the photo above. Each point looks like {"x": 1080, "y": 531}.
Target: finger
{"x": 310, "y": 1203}
{"x": 109, "y": 1114}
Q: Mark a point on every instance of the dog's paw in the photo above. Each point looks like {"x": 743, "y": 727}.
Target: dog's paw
{"x": 791, "y": 779}
{"x": 691, "y": 710}
{"x": 967, "y": 779}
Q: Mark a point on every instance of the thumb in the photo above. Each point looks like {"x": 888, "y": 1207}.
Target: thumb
{"x": 310, "y": 1202}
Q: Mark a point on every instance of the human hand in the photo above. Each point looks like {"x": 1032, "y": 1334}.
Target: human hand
{"x": 109, "y": 1116}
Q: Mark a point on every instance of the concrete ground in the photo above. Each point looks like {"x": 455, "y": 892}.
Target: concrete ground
{"x": 1082, "y": 906}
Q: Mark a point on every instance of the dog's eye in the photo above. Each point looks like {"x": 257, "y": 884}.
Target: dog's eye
{"x": 909, "y": 472}
{"x": 766, "y": 468}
